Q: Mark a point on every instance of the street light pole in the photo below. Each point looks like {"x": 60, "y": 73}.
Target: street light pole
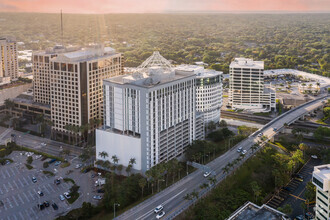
{"x": 114, "y": 209}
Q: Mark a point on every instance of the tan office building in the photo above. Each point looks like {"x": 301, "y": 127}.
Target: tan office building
{"x": 8, "y": 57}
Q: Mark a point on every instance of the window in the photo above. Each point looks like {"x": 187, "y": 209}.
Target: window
{"x": 317, "y": 182}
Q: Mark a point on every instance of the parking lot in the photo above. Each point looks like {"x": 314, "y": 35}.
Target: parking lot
{"x": 20, "y": 195}
{"x": 296, "y": 193}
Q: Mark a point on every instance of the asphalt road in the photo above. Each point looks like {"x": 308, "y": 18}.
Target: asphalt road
{"x": 172, "y": 197}
{"x": 34, "y": 142}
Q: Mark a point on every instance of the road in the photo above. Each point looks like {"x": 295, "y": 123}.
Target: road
{"x": 34, "y": 142}
{"x": 172, "y": 197}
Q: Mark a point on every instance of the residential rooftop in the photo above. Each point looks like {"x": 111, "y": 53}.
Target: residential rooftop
{"x": 246, "y": 63}
{"x": 251, "y": 211}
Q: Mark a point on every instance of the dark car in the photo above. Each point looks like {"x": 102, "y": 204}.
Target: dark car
{"x": 286, "y": 188}
{"x": 100, "y": 191}
{"x": 46, "y": 203}
{"x": 41, "y": 206}
{"x": 309, "y": 215}
{"x": 55, "y": 207}
{"x": 57, "y": 181}
{"x": 297, "y": 175}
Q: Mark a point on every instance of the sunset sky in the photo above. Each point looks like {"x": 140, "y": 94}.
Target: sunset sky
{"x": 159, "y": 6}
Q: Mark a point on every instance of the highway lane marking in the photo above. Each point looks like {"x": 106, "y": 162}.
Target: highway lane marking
{"x": 163, "y": 204}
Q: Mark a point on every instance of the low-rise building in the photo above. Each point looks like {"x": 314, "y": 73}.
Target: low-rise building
{"x": 321, "y": 179}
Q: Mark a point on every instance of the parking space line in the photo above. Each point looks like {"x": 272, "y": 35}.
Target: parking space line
{"x": 31, "y": 195}
{"x": 26, "y": 197}
{"x": 16, "y": 184}
{"x": 8, "y": 201}
{"x": 1, "y": 191}
{"x": 46, "y": 189}
{"x": 15, "y": 200}
{"x": 7, "y": 173}
{"x": 15, "y": 216}
{"x": 20, "y": 182}
{"x": 10, "y": 186}
{"x": 25, "y": 181}
{"x": 20, "y": 198}
{"x": 28, "y": 214}
{"x": 20, "y": 213}
{"x": 4, "y": 186}
{"x": 34, "y": 213}
{"x": 12, "y": 172}
{"x": 52, "y": 189}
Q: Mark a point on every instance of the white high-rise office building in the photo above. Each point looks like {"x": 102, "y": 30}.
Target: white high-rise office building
{"x": 246, "y": 86}
{"x": 208, "y": 91}
{"x": 321, "y": 179}
{"x": 149, "y": 115}
{"x": 8, "y": 58}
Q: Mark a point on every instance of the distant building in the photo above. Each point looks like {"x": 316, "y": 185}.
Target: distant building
{"x": 208, "y": 91}
{"x": 321, "y": 179}
{"x": 251, "y": 211}
{"x": 8, "y": 58}
{"x": 246, "y": 86}
{"x": 70, "y": 80}
{"x": 149, "y": 115}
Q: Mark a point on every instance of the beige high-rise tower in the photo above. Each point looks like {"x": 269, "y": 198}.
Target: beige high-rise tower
{"x": 71, "y": 81}
{"x": 8, "y": 57}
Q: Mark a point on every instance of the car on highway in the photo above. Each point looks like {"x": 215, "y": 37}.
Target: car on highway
{"x": 244, "y": 152}
{"x": 40, "y": 193}
{"x": 97, "y": 197}
{"x": 62, "y": 198}
{"x": 57, "y": 163}
{"x": 55, "y": 207}
{"x": 239, "y": 150}
{"x": 158, "y": 208}
{"x": 160, "y": 215}
{"x": 34, "y": 180}
{"x": 206, "y": 174}
{"x": 67, "y": 195}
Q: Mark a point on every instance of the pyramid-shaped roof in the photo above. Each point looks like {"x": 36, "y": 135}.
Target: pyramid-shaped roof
{"x": 156, "y": 60}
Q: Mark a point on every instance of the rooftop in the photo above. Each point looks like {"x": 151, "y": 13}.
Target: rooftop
{"x": 150, "y": 77}
{"x": 251, "y": 211}
{"x": 198, "y": 70}
{"x": 27, "y": 99}
{"x": 323, "y": 171}
{"x": 8, "y": 39}
{"x": 155, "y": 60}
{"x": 246, "y": 63}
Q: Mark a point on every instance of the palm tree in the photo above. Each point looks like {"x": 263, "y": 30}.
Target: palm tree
{"x": 107, "y": 164}
{"x": 115, "y": 159}
{"x": 225, "y": 169}
{"x": 120, "y": 168}
{"x": 132, "y": 161}
{"x": 212, "y": 180}
{"x": 128, "y": 169}
{"x": 103, "y": 154}
{"x": 256, "y": 190}
{"x": 142, "y": 184}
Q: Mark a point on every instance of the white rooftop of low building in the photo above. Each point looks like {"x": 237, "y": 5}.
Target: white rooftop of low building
{"x": 151, "y": 77}
{"x": 246, "y": 63}
{"x": 323, "y": 171}
{"x": 200, "y": 71}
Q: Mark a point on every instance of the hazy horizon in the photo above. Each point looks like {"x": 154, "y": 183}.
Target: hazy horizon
{"x": 165, "y": 6}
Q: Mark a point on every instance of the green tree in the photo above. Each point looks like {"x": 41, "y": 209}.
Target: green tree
{"x": 287, "y": 209}
{"x": 29, "y": 160}
{"x": 142, "y": 184}
{"x": 256, "y": 189}
{"x": 45, "y": 165}
{"x": 103, "y": 154}
{"x": 310, "y": 192}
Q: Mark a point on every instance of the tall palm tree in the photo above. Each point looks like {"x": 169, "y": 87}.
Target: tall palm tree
{"x": 142, "y": 184}
{"x": 120, "y": 168}
{"x": 132, "y": 161}
{"x": 115, "y": 159}
{"x": 103, "y": 154}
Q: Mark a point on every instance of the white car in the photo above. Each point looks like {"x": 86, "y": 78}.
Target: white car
{"x": 67, "y": 195}
{"x": 62, "y": 198}
{"x": 244, "y": 152}
{"x": 207, "y": 173}
{"x": 239, "y": 150}
{"x": 43, "y": 144}
{"x": 158, "y": 208}
{"x": 314, "y": 156}
{"x": 160, "y": 215}
{"x": 260, "y": 134}
{"x": 78, "y": 166}
{"x": 97, "y": 197}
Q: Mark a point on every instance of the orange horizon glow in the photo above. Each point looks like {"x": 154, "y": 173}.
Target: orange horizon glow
{"x": 163, "y": 6}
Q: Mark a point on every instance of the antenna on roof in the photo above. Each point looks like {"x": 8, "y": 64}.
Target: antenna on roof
{"x": 61, "y": 29}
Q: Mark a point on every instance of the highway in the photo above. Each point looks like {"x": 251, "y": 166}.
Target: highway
{"x": 34, "y": 142}
{"x": 172, "y": 197}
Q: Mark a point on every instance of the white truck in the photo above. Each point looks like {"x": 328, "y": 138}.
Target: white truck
{"x": 100, "y": 182}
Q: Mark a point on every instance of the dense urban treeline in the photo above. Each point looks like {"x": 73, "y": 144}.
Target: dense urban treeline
{"x": 282, "y": 40}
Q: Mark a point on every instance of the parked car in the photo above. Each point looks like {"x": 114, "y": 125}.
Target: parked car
{"x": 46, "y": 203}
{"x": 158, "y": 208}
{"x": 43, "y": 144}
{"x": 34, "y": 180}
{"x": 57, "y": 181}
{"x": 275, "y": 129}
{"x": 309, "y": 215}
{"x": 67, "y": 195}
{"x": 314, "y": 156}
{"x": 55, "y": 207}
{"x": 41, "y": 206}
{"x": 62, "y": 198}
{"x": 239, "y": 149}
{"x": 160, "y": 215}
{"x": 244, "y": 152}
{"x": 297, "y": 175}
{"x": 206, "y": 174}
{"x": 78, "y": 166}
{"x": 100, "y": 191}
{"x": 260, "y": 134}
{"x": 299, "y": 217}
{"x": 57, "y": 163}
{"x": 40, "y": 193}
{"x": 97, "y": 197}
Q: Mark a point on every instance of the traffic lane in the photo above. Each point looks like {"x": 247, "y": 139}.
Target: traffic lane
{"x": 183, "y": 188}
